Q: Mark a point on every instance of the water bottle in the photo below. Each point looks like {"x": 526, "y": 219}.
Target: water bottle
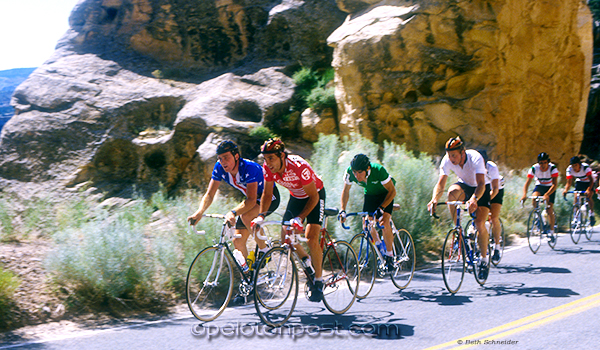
{"x": 251, "y": 259}
{"x": 239, "y": 257}
{"x": 381, "y": 247}
{"x": 488, "y": 226}
{"x": 545, "y": 217}
{"x": 308, "y": 268}
{"x": 471, "y": 232}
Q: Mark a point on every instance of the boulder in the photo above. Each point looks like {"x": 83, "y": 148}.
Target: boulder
{"x": 507, "y": 75}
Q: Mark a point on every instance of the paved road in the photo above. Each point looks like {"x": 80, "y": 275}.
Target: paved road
{"x": 550, "y": 300}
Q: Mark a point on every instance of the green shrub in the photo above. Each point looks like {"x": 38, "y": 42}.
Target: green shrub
{"x": 261, "y": 133}
{"x": 321, "y": 98}
{"x": 8, "y": 284}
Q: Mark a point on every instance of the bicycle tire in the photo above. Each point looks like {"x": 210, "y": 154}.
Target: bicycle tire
{"x": 404, "y": 259}
{"x": 341, "y": 277}
{"x": 367, "y": 261}
{"x": 499, "y": 246}
{"x": 589, "y": 228}
{"x": 276, "y": 287}
{"x": 209, "y": 283}
{"x": 575, "y": 224}
{"x": 534, "y": 231}
{"x": 453, "y": 261}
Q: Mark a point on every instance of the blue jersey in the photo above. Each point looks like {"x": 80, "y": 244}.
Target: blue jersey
{"x": 248, "y": 172}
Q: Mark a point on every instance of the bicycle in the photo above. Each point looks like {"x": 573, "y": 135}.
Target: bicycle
{"x": 500, "y": 246}
{"x": 459, "y": 251}
{"x": 537, "y": 226}
{"x": 579, "y": 220}
{"x": 276, "y": 283}
{"x": 209, "y": 282}
{"x": 372, "y": 262}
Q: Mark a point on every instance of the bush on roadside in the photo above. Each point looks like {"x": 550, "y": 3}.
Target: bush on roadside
{"x": 8, "y": 284}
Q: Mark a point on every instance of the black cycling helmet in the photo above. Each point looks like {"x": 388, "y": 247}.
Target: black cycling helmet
{"x": 543, "y": 156}
{"x": 455, "y": 143}
{"x": 360, "y": 162}
{"x": 227, "y": 146}
{"x": 483, "y": 154}
{"x": 272, "y": 146}
{"x": 575, "y": 160}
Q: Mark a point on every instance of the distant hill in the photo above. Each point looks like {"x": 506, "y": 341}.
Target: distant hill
{"x": 9, "y": 80}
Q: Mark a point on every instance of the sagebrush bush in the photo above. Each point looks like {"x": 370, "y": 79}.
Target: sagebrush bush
{"x": 8, "y": 284}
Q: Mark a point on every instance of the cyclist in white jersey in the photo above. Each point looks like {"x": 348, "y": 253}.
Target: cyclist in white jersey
{"x": 546, "y": 183}
{"x": 469, "y": 166}
{"x": 584, "y": 181}
{"x": 496, "y": 182}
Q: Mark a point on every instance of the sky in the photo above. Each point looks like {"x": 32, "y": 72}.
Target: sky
{"x": 30, "y": 29}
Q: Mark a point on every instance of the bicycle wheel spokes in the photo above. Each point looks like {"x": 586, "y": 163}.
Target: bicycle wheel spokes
{"x": 575, "y": 225}
{"x": 275, "y": 287}
{"x": 367, "y": 262}
{"x": 404, "y": 259}
{"x": 209, "y": 283}
{"x": 341, "y": 276}
{"x": 453, "y": 261}
{"x": 534, "y": 231}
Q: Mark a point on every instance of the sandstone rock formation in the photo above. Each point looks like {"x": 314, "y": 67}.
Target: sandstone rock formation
{"x": 510, "y": 75}
{"x": 137, "y": 86}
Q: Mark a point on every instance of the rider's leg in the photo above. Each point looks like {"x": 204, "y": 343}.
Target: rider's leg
{"x": 496, "y": 228}
{"x": 247, "y": 218}
{"x": 551, "y": 219}
{"x": 388, "y": 236}
{"x": 240, "y": 243}
{"x": 483, "y": 238}
{"x": 313, "y": 234}
{"x": 455, "y": 193}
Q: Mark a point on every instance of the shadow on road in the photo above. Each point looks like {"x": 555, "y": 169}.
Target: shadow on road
{"x": 504, "y": 269}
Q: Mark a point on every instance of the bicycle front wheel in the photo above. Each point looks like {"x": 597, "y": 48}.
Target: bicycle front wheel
{"x": 404, "y": 259}
{"x": 367, "y": 262}
{"x": 575, "y": 224}
{"x": 535, "y": 227}
{"x": 276, "y": 287}
{"x": 341, "y": 276}
{"x": 498, "y": 245}
{"x": 209, "y": 283}
{"x": 453, "y": 261}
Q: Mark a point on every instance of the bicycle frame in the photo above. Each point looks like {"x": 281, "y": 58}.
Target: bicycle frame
{"x": 463, "y": 239}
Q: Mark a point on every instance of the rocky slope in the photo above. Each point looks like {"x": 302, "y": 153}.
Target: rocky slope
{"x": 139, "y": 91}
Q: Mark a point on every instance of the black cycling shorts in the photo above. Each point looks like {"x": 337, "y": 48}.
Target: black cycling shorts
{"x": 542, "y": 191}
{"x": 295, "y": 207}
{"x": 239, "y": 224}
{"x": 373, "y": 201}
{"x": 499, "y": 197}
{"x": 582, "y": 186}
{"x": 484, "y": 201}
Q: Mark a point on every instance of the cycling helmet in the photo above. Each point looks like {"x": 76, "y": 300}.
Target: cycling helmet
{"x": 455, "y": 143}
{"x": 575, "y": 160}
{"x": 360, "y": 162}
{"x": 272, "y": 146}
{"x": 227, "y": 146}
{"x": 543, "y": 156}
{"x": 483, "y": 154}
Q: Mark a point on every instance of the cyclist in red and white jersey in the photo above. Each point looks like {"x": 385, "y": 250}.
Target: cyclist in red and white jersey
{"x": 307, "y": 201}
{"x": 546, "y": 183}
{"x": 581, "y": 173}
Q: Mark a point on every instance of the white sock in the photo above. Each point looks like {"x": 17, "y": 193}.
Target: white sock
{"x": 263, "y": 250}
{"x": 389, "y": 253}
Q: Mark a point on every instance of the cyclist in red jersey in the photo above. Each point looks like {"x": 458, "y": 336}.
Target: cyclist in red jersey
{"x": 307, "y": 201}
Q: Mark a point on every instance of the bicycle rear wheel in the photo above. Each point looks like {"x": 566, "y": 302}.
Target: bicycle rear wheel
{"x": 534, "y": 231}
{"x": 367, "y": 262}
{"x": 275, "y": 287}
{"x": 341, "y": 276}
{"x": 589, "y": 228}
{"x": 575, "y": 224}
{"x": 453, "y": 261}
{"x": 209, "y": 283}
{"x": 498, "y": 245}
{"x": 404, "y": 259}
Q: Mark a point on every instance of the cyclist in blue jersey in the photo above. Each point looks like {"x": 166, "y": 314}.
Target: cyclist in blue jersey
{"x": 246, "y": 176}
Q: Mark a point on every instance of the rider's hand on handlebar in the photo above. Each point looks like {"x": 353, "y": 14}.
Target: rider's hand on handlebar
{"x": 378, "y": 213}
{"x": 342, "y": 216}
{"x": 296, "y": 223}
{"x": 257, "y": 221}
{"x": 194, "y": 219}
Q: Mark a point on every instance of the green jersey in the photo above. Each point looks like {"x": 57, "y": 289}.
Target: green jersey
{"x": 376, "y": 179}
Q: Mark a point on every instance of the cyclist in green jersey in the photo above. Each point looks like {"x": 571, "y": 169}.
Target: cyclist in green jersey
{"x": 380, "y": 191}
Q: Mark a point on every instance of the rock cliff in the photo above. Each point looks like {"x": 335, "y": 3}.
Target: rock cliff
{"x": 511, "y": 76}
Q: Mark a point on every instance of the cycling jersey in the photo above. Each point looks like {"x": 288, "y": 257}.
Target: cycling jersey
{"x": 376, "y": 179}
{"x": 492, "y": 174}
{"x": 581, "y": 175}
{"x": 297, "y": 173}
{"x": 248, "y": 172}
{"x": 474, "y": 164}
{"x": 543, "y": 178}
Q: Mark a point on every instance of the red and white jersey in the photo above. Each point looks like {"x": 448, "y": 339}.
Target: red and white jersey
{"x": 581, "y": 175}
{"x": 297, "y": 173}
{"x": 543, "y": 178}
